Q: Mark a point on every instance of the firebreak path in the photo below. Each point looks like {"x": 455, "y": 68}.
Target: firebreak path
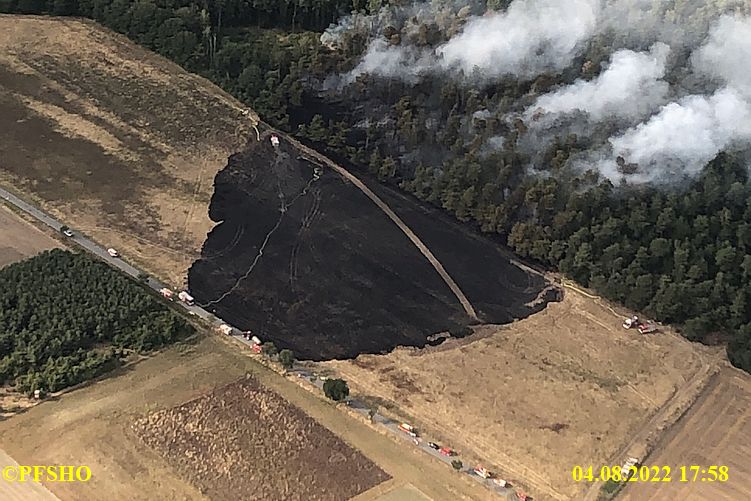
{"x": 397, "y": 220}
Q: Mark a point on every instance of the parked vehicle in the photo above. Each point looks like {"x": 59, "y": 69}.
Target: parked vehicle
{"x": 186, "y": 298}
{"x": 631, "y": 322}
{"x": 112, "y": 252}
{"x": 167, "y": 293}
{"x": 483, "y": 472}
{"x": 67, "y": 232}
{"x": 434, "y": 445}
{"x": 447, "y": 451}
{"x": 647, "y": 328}
{"x": 408, "y": 429}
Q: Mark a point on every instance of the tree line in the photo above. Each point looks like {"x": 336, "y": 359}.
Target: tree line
{"x": 66, "y": 318}
{"x": 681, "y": 255}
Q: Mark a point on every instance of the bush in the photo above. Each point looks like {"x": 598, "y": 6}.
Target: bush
{"x": 336, "y": 389}
{"x": 287, "y": 359}
{"x": 611, "y": 488}
{"x": 269, "y": 349}
{"x": 457, "y": 464}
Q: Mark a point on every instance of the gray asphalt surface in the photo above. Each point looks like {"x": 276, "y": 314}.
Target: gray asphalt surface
{"x": 101, "y": 252}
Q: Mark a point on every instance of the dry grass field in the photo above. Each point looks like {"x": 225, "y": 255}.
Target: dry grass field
{"x": 567, "y": 386}
{"x": 217, "y": 440}
{"x": 94, "y": 426}
{"x": 20, "y": 239}
{"x": 716, "y": 431}
{"x": 112, "y": 139}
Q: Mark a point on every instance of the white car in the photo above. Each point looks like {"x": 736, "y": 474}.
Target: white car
{"x": 113, "y": 252}
{"x": 67, "y": 233}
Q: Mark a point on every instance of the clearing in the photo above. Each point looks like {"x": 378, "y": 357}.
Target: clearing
{"x": 216, "y": 440}
{"x": 112, "y": 139}
{"x": 567, "y": 386}
{"x": 715, "y": 432}
{"x": 19, "y": 239}
{"x": 93, "y": 426}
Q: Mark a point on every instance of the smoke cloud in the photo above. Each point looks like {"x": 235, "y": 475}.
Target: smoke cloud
{"x": 726, "y": 55}
{"x": 685, "y": 135}
{"x": 631, "y": 87}
{"x": 532, "y": 36}
{"x": 389, "y": 61}
{"x": 650, "y": 114}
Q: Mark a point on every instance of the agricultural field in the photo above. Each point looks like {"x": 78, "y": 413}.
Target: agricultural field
{"x": 715, "y": 432}
{"x": 567, "y": 386}
{"x": 217, "y": 440}
{"x": 303, "y": 257}
{"x": 94, "y": 426}
{"x": 113, "y": 140}
{"x": 20, "y": 239}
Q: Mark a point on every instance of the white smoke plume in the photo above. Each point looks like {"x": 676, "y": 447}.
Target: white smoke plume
{"x": 685, "y": 135}
{"x": 673, "y": 118}
{"x": 532, "y": 36}
{"x": 385, "y": 60}
{"x": 528, "y": 38}
{"x": 631, "y": 87}
{"x": 726, "y": 55}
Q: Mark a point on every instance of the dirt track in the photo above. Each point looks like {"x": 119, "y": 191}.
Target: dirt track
{"x": 21, "y": 491}
{"x": 398, "y": 221}
{"x": 311, "y": 263}
{"x": 715, "y": 432}
{"x": 567, "y": 386}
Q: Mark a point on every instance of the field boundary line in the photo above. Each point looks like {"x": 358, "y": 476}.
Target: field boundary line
{"x": 664, "y": 418}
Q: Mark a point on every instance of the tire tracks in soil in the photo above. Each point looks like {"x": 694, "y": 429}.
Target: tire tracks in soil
{"x": 453, "y": 286}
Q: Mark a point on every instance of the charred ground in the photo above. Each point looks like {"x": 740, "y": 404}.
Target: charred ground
{"x": 315, "y": 266}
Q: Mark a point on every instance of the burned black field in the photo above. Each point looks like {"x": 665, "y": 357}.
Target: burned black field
{"x": 314, "y": 265}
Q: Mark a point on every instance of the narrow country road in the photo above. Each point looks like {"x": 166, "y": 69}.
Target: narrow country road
{"x": 356, "y": 405}
{"x": 98, "y": 250}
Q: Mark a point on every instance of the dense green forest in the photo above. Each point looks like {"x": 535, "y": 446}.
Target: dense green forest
{"x": 66, "y": 318}
{"x": 680, "y": 253}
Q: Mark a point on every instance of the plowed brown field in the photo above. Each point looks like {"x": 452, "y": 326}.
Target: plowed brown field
{"x": 244, "y": 440}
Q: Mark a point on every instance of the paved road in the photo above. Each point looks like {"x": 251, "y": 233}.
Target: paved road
{"x": 156, "y": 285}
{"x": 99, "y": 251}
